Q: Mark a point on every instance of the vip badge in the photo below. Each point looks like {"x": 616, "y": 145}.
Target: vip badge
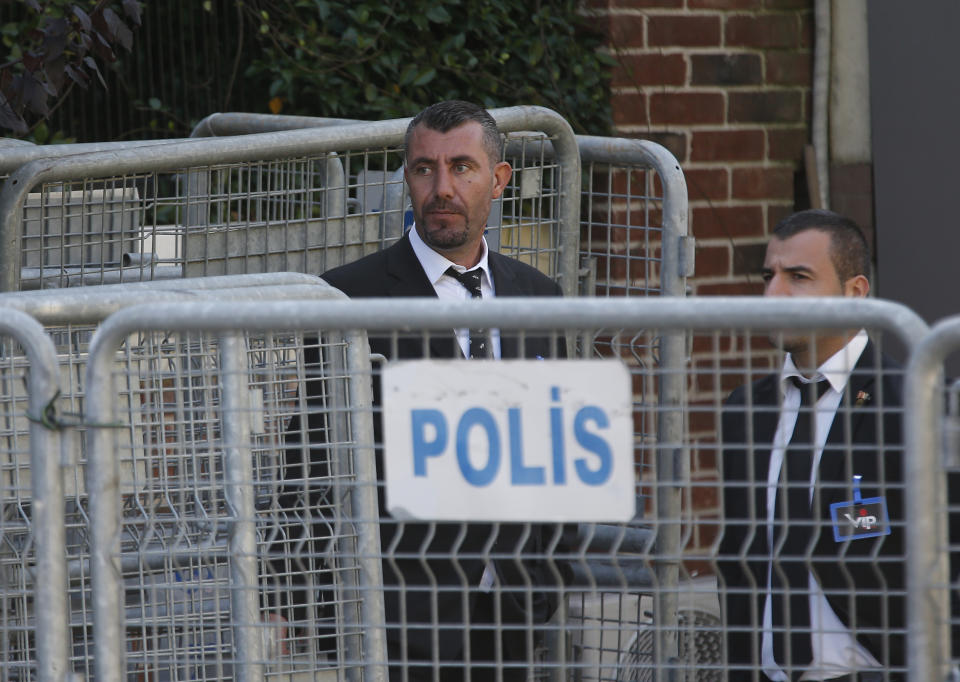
{"x": 860, "y": 518}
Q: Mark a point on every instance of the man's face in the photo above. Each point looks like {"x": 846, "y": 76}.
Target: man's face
{"x": 452, "y": 184}
{"x": 801, "y": 266}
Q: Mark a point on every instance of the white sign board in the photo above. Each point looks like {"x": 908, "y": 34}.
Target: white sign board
{"x": 509, "y": 440}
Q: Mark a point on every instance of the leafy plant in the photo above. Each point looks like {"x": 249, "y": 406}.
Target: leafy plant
{"x": 54, "y": 47}
{"x": 375, "y": 59}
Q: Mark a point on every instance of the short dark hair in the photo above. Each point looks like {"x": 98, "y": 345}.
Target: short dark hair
{"x": 849, "y": 251}
{"x": 445, "y": 116}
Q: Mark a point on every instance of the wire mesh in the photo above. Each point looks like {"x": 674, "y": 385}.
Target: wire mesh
{"x": 17, "y": 540}
{"x": 622, "y": 227}
{"x": 303, "y": 214}
{"x": 176, "y": 560}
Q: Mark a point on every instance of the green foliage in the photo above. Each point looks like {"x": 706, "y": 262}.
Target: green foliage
{"x": 55, "y": 45}
{"x": 375, "y": 59}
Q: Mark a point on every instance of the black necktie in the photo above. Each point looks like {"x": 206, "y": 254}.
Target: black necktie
{"x": 471, "y": 282}
{"x": 791, "y": 602}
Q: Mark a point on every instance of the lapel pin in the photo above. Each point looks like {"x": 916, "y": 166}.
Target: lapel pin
{"x": 862, "y": 398}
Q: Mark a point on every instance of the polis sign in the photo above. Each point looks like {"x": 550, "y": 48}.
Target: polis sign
{"x": 510, "y": 440}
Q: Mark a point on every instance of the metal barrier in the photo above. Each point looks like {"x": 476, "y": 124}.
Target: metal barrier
{"x": 625, "y": 217}
{"x": 932, "y": 478}
{"x": 300, "y": 200}
{"x": 633, "y": 242}
{"x": 35, "y": 620}
{"x": 584, "y": 648}
{"x": 70, "y": 317}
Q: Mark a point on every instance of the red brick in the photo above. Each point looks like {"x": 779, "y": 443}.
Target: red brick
{"x": 650, "y": 69}
{"x": 683, "y": 31}
{"x": 701, "y": 418}
{"x": 775, "y": 214}
{"x": 789, "y": 68}
{"x": 775, "y": 106}
{"x": 626, "y": 30}
{"x": 641, "y": 4}
{"x": 748, "y": 258}
{"x": 772, "y": 182}
{"x": 730, "y": 289}
{"x": 707, "y": 183}
{"x": 711, "y": 344}
{"x": 725, "y": 69}
{"x": 705, "y": 496}
{"x": 727, "y": 145}
{"x": 806, "y": 30}
{"x": 727, "y": 221}
{"x": 629, "y": 109}
{"x": 763, "y": 31}
{"x": 789, "y": 4}
{"x": 686, "y": 108}
{"x": 712, "y": 261}
{"x": 723, "y": 4}
{"x": 620, "y": 269}
{"x": 787, "y": 144}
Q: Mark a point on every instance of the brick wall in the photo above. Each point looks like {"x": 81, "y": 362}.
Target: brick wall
{"x": 725, "y": 85}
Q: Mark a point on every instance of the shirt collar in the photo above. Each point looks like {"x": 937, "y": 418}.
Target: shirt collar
{"x": 435, "y": 264}
{"x": 836, "y": 369}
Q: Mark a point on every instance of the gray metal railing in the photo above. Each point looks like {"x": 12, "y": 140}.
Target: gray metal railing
{"x": 528, "y": 315}
{"x": 928, "y": 470}
{"x": 58, "y": 611}
{"x": 44, "y": 506}
{"x": 228, "y": 185}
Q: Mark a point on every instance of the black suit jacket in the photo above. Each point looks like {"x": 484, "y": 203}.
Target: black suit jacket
{"x": 863, "y": 579}
{"x": 431, "y": 595}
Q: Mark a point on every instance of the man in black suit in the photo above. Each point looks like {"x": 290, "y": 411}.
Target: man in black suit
{"x": 799, "y": 603}
{"x": 437, "y": 581}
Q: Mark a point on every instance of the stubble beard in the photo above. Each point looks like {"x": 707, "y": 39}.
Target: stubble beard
{"x": 441, "y": 232}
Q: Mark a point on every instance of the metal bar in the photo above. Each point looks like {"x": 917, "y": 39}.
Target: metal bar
{"x": 52, "y": 614}
{"x": 14, "y": 157}
{"x": 928, "y": 608}
{"x": 248, "y": 646}
{"x": 238, "y": 123}
{"x": 704, "y": 313}
{"x": 90, "y": 305}
{"x": 365, "y": 509}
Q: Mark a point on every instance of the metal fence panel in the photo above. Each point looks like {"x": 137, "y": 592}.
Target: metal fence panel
{"x": 299, "y": 200}
{"x": 70, "y": 318}
{"x": 933, "y": 546}
{"x": 618, "y": 608}
{"x": 633, "y": 231}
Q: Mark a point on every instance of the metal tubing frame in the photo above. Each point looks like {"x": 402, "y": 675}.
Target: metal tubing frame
{"x": 104, "y": 477}
{"x": 91, "y": 305}
{"x": 49, "y": 531}
{"x": 242, "y": 533}
{"x": 279, "y": 145}
{"x": 928, "y": 612}
{"x": 386, "y": 314}
{"x": 14, "y": 157}
{"x": 677, "y": 263}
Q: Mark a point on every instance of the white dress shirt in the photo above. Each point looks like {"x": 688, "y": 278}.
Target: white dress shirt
{"x": 436, "y": 265}
{"x": 836, "y": 651}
